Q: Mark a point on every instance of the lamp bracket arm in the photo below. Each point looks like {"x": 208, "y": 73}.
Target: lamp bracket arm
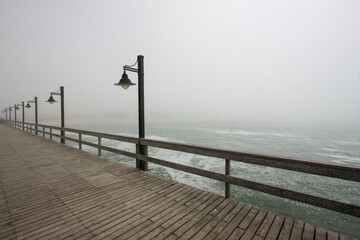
{"x": 130, "y": 69}
{"x": 55, "y": 93}
{"x": 130, "y": 66}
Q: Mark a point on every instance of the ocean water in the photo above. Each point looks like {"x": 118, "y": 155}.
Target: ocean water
{"x": 334, "y": 143}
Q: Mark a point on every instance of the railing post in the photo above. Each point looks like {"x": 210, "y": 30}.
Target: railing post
{"x": 80, "y": 142}
{"x": 50, "y": 133}
{"x": 30, "y": 129}
{"x": 143, "y": 150}
{"x": 43, "y": 131}
{"x": 63, "y": 136}
{"x": 227, "y": 185}
{"x": 145, "y": 154}
{"x": 137, "y": 152}
{"x": 99, "y": 147}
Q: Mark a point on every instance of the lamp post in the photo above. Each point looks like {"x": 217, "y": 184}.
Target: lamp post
{"x": 23, "y": 114}
{"x": 36, "y": 112}
{"x": 125, "y": 83}
{"x": 16, "y": 107}
{"x": 9, "y": 113}
{"x": 51, "y": 100}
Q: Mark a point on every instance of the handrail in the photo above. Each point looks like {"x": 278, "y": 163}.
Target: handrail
{"x": 339, "y": 171}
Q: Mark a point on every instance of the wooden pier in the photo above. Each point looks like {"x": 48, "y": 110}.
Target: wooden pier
{"x": 53, "y": 191}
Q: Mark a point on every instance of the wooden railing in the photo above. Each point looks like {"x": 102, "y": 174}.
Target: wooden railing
{"x": 339, "y": 171}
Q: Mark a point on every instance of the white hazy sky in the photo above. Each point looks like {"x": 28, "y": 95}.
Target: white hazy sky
{"x": 204, "y": 59}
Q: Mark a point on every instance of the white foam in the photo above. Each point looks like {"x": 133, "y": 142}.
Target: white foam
{"x": 342, "y": 157}
{"x": 249, "y": 133}
{"x": 335, "y": 150}
{"x": 167, "y": 139}
{"x": 346, "y": 142}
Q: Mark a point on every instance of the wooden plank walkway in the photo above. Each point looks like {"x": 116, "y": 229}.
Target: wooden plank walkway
{"x": 52, "y": 191}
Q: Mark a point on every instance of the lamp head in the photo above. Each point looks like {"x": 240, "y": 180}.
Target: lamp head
{"x": 17, "y": 108}
{"x": 51, "y": 100}
{"x": 124, "y": 82}
{"x": 28, "y": 105}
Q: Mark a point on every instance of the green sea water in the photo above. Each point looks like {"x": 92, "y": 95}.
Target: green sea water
{"x": 334, "y": 143}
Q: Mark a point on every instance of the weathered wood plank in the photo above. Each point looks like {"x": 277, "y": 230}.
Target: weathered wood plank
{"x": 275, "y": 228}
{"x": 297, "y": 230}
{"x": 265, "y": 225}
{"x": 202, "y": 219}
{"x": 309, "y": 231}
{"x": 234, "y": 223}
{"x": 332, "y": 235}
{"x": 214, "y": 221}
{"x": 286, "y": 229}
{"x": 255, "y": 224}
{"x": 320, "y": 233}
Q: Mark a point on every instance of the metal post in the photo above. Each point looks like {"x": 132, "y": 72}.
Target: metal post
{"x": 10, "y": 113}
{"x": 50, "y": 133}
{"x": 142, "y": 149}
{"x": 80, "y": 142}
{"x": 43, "y": 131}
{"x": 23, "y": 116}
{"x": 227, "y": 185}
{"x": 6, "y": 114}
{"x": 36, "y": 116}
{"x": 15, "y": 113}
{"x": 62, "y": 114}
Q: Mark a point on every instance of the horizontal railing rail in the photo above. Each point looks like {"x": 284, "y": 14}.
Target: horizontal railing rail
{"x": 339, "y": 171}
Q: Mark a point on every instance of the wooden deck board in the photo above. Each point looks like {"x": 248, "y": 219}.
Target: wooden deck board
{"x": 52, "y": 191}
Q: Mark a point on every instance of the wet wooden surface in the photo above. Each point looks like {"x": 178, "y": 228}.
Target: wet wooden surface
{"x": 52, "y": 191}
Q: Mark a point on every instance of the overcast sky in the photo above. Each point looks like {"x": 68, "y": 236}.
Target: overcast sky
{"x": 204, "y": 60}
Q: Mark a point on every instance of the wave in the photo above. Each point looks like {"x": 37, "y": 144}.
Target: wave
{"x": 346, "y": 142}
{"x": 335, "y": 150}
{"x": 167, "y": 139}
{"x": 248, "y": 133}
{"x": 342, "y": 157}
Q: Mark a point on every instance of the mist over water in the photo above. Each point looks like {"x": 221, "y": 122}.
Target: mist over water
{"x": 334, "y": 143}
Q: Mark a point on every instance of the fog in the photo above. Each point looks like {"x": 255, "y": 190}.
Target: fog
{"x": 204, "y": 59}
